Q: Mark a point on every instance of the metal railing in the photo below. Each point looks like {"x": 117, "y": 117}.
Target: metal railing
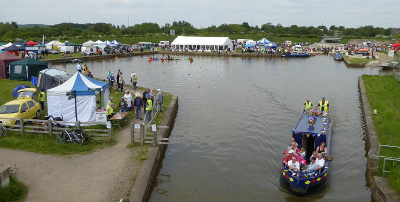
{"x": 387, "y": 158}
{"x": 148, "y": 123}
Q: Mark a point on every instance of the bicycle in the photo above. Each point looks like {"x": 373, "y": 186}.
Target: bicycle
{"x": 3, "y": 131}
{"x": 76, "y": 137}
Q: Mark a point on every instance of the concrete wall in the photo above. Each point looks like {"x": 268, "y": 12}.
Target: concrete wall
{"x": 379, "y": 186}
{"x": 148, "y": 172}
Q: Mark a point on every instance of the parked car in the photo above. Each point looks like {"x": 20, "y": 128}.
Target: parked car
{"x": 52, "y": 51}
{"x": 20, "y": 108}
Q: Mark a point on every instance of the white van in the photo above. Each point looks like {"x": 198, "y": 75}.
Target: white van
{"x": 163, "y": 43}
{"x": 288, "y": 43}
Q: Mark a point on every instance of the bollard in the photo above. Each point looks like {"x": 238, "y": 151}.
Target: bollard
{"x": 155, "y": 139}
{"x": 50, "y": 127}
{"x": 141, "y": 134}
{"x": 21, "y": 126}
{"x": 132, "y": 132}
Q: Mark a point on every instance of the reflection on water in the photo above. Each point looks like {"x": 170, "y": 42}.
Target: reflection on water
{"x": 234, "y": 121}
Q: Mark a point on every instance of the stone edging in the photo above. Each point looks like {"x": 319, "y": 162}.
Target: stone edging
{"x": 148, "y": 172}
{"x": 379, "y": 186}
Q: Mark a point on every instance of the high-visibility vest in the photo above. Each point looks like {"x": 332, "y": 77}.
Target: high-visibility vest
{"x": 149, "y": 105}
{"x": 308, "y": 105}
{"x": 109, "y": 110}
{"x": 325, "y": 105}
{"x": 43, "y": 94}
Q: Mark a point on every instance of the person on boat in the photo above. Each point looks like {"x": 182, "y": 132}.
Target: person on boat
{"x": 314, "y": 154}
{"x": 323, "y": 105}
{"x": 307, "y": 105}
{"x": 299, "y": 158}
{"x": 320, "y": 162}
{"x": 292, "y": 146}
{"x": 303, "y": 152}
{"x": 321, "y": 149}
{"x": 312, "y": 167}
{"x": 292, "y": 140}
{"x": 294, "y": 165}
{"x": 288, "y": 157}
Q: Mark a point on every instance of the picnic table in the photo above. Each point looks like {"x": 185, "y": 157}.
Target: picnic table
{"x": 117, "y": 117}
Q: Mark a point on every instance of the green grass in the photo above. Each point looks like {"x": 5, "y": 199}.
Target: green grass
{"x": 357, "y": 60}
{"x": 15, "y": 191}
{"x": 7, "y": 87}
{"x": 383, "y": 94}
{"x": 59, "y": 56}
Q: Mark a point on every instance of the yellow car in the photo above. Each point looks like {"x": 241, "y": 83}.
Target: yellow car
{"x": 26, "y": 108}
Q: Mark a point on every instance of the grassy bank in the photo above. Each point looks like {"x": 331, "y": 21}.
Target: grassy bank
{"x": 383, "y": 94}
{"x": 357, "y": 60}
{"x": 42, "y": 143}
{"x": 15, "y": 191}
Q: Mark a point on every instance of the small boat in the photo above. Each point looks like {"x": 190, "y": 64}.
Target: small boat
{"x": 338, "y": 56}
{"x": 295, "y": 54}
{"x": 391, "y": 65}
{"x": 309, "y": 137}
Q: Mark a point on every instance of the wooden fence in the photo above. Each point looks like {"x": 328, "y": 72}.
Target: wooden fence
{"x": 46, "y": 127}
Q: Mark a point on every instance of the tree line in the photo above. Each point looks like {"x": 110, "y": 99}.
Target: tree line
{"x": 12, "y": 31}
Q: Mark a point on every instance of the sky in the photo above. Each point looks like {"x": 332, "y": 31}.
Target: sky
{"x": 205, "y": 13}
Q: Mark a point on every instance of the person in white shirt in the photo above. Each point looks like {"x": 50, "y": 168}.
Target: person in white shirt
{"x": 320, "y": 162}
{"x": 128, "y": 99}
{"x": 79, "y": 68}
{"x": 294, "y": 165}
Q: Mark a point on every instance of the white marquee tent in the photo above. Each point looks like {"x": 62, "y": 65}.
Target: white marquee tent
{"x": 201, "y": 43}
{"x": 89, "y": 46}
{"x": 59, "y": 105}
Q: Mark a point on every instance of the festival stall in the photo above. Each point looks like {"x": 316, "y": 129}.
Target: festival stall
{"x": 23, "y": 69}
{"x": 82, "y": 105}
{"x": 5, "y": 59}
{"x": 50, "y": 78}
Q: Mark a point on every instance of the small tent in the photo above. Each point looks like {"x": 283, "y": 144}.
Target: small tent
{"x": 23, "y": 69}
{"x": 396, "y": 46}
{"x": 263, "y": 42}
{"x": 31, "y": 43}
{"x": 50, "y": 78}
{"x": 59, "y": 104}
{"x": 5, "y": 59}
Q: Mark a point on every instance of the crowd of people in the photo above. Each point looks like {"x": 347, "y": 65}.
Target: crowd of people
{"x": 295, "y": 159}
{"x": 136, "y": 103}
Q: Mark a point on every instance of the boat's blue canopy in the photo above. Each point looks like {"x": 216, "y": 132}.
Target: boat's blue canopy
{"x": 317, "y": 130}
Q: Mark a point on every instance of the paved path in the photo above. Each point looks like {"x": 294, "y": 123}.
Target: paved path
{"x": 105, "y": 175}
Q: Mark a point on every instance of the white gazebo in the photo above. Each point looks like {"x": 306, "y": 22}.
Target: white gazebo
{"x": 206, "y": 44}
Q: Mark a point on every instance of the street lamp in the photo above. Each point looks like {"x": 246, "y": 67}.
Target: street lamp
{"x": 129, "y": 32}
{"x": 70, "y": 27}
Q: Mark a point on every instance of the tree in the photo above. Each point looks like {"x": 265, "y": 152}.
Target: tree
{"x": 246, "y": 25}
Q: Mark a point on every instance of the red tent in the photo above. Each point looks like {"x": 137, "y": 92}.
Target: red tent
{"x": 5, "y": 59}
{"x": 31, "y": 43}
{"x": 396, "y": 46}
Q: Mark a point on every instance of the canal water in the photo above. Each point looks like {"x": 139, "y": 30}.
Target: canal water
{"x": 234, "y": 122}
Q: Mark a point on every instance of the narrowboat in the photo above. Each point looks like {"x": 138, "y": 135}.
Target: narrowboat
{"x": 338, "y": 56}
{"x": 293, "y": 54}
{"x": 311, "y": 130}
